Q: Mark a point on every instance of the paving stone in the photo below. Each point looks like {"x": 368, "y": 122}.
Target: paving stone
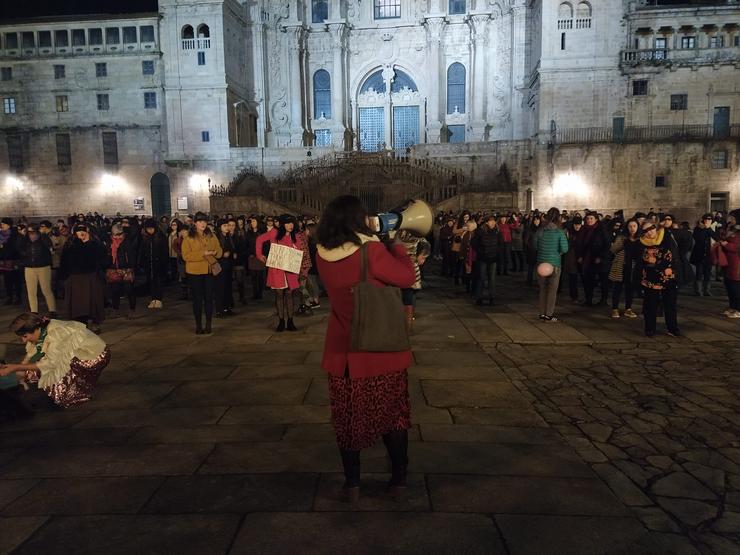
{"x": 656, "y": 519}
{"x": 13, "y": 489}
{"x": 458, "y": 393}
{"x": 318, "y": 393}
{"x": 574, "y": 535}
{"x": 106, "y": 460}
{"x": 373, "y": 496}
{"x": 284, "y": 391}
{"x": 453, "y": 358}
{"x": 247, "y": 371}
{"x": 206, "y": 434}
{"x": 728, "y": 523}
{"x": 688, "y": 511}
{"x": 522, "y": 495}
{"x": 183, "y": 372}
{"x": 711, "y": 477}
{"x": 621, "y": 485}
{"x": 596, "y": 431}
{"x": 681, "y": 484}
{"x": 14, "y": 531}
{"x": 488, "y": 434}
{"x": 413, "y": 533}
{"x": 429, "y": 372}
{"x": 234, "y": 494}
{"x": 68, "y": 436}
{"x": 185, "y": 416}
{"x": 497, "y": 417}
{"x": 82, "y": 496}
{"x": 289, "y": 414}
{"x": 124, "y": 535}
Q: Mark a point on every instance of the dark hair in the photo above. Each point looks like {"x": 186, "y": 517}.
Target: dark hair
{"x": 343, "y": 218}
{"x": 553, "y": 216}
{"x": 626, "y": 226}
{"x": 460, "y": 218}
{"x": 284, "y": 220}
{"x": 193, "y": 231}
{"x": 28, "y": 322}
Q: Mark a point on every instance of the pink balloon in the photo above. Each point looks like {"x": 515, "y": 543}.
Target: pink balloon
{"x": 545, "y": 269}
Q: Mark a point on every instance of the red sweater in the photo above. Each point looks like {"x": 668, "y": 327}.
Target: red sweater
{"x": 339, "y": 277}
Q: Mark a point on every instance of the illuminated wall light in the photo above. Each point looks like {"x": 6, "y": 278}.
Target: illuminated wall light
{"x": 570, "y": 184}
{"x": 198, "y": 183}
{"x": 112, "y": 183}
{"x": 14, "y": 183}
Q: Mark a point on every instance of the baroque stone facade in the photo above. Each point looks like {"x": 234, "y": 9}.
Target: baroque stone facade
{"x": 573, "y": 97}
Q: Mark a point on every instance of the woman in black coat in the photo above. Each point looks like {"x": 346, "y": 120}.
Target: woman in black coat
{"x": 255, "y": 267}
{"x": 121, "y": 267}
{"x": 154, "y": 259}
{"x": 82, "y": 264}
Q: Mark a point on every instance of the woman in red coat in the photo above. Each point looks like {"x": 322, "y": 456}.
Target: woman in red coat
{"x": 282, "y": 282}
{"x": 368, "y": 391}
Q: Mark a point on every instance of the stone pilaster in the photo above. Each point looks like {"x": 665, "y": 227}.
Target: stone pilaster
{"x": 479, "y": 38}
{"x": 294, "y": 53}
{"x": 338, "y": 33}
{"x": 434, "y": 27}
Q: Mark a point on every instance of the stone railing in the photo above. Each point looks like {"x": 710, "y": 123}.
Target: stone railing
{"x": 641, "y": 134}
{"x": 188, "y": 44}
{"x": 682, "y": 56}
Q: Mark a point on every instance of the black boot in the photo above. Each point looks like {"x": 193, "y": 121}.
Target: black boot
{"x": 351, "y": 464}
{"x": 281, "y": 325}
{"x": 397, "y": 443}
{"x": 291, "y": 325}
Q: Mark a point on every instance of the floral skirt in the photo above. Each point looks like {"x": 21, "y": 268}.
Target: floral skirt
{"x": 78, "y": 384}
{"x": 365, "y": 409}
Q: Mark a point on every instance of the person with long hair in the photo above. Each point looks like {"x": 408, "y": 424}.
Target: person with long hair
{"x": 368, "y": 391}
{"x": 658, "y": 279}
{"x": 153, "y": 260}
{"x": 173, "y": 249}
{"x": 551, "y": 244}
{"x": 730, "y": 245}
{"x": 200, "y": 251}
{"x": 224, "y": 293}
{"x": 254, "y": 263}
{"x": 626, "y": 249}
{"x": 64, "y": 358}
{"x": 283, "y": 283}
{"x": 238, "y": 231}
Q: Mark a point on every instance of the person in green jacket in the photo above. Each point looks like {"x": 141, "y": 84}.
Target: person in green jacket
{"x": 551, "y": 244}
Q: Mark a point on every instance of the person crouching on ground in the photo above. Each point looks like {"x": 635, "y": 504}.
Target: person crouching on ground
{"x": 64, "y": 358}
{"x": 368, "y": 391}
{"x": 658, "y": 279}
{"x": 551, "y": 244}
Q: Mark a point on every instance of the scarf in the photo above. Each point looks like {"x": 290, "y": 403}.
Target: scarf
{"x": 653, "y": 242}
{"x": 39, "y": 354}
{"x": 115, "y": 243}
{"x": 4, "y": 236}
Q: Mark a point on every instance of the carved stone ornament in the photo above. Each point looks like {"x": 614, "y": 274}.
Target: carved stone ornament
{"x": 371, "y": 98}
{"x": 279, "y": 110}
{"x": 434, "y": 27}
{"x": 478, "y": 27}
{"x": 456, "y": 117}
{"x": 406, "y": 97}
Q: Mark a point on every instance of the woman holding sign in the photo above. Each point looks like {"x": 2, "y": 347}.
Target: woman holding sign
{"x": 282, "y": 281}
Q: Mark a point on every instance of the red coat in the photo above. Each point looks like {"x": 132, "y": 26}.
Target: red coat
{"x": 339, "y": 272}
{"x": 732, "y": 251}
{"x": 278, "y": 279}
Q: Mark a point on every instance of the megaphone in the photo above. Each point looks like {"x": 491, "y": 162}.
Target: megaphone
{"x": 414, "y": 215}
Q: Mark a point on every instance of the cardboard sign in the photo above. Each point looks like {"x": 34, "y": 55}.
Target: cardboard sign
{"x": 285, "y": 258}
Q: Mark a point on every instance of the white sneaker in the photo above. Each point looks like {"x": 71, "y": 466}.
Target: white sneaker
{"x": 152, "y": 304}
{"x": 727, "y": 312}
{"x": 159, "y": 304}
{"x": 735, "y": 314}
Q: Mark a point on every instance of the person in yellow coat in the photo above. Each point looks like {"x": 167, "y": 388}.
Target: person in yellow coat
{"x": 200, "y": 251}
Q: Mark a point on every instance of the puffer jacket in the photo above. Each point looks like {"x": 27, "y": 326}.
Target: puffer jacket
{"x": 35, "y": 254}
{"x": 487, "y": 242}
{"x": 616, "y": 272}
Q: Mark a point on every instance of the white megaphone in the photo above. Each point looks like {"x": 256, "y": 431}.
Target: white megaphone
{"x": 413, "y": 215}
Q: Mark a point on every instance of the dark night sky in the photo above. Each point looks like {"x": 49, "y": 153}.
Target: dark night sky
{"x": 12, "y": 9}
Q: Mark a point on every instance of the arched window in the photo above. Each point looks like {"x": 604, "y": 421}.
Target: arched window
{"x": 203, "y": 31}
{"x": 321, "y": 94}
{"x": 583, "y": 11}
{"x": 565, "y": 11}
{"x": 402, "y": 80}
{"x": 456, "y": 88}
{"x": 375, "y": 82}
{"x": 319, "y": 11}
{"x": 187, "y": 32}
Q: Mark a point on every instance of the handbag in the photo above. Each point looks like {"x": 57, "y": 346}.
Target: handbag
{"x": 717, "y": 256}
{"x": 117, "y": 275}
{"x": 213, "y": 265}
{"x": 254, "y": 264}
{"x": 378, "y": 320}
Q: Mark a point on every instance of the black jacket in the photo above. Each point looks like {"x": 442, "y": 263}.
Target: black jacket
{"x": 126, "y": 256}
{"x": 487, "y": 243}
{"x": 9, "y": 251}
{"x": 82, "y": 258}
{"x": 702, "y": 243}
{"x": 35, "y": 254}
{"x": 154, "y": 254}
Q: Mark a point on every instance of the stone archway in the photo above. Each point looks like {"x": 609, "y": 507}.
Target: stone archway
{"x": 160, "y": 191}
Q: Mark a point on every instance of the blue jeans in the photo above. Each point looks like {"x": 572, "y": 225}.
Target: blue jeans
{"x": 486, "y": 274}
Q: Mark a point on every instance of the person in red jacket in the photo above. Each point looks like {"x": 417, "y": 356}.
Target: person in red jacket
{"x": 368, "y": 391}
{"x": 730, "y": 244}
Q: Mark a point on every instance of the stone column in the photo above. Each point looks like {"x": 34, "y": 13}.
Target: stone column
{"x": 388, "y": 76}
{"x": 338, "y": 88}
{"x": 434, "y": 27}
{"x": 479, "y": 32}
{"x": 499, "y": 90}
{"x": 518, "y": 69}
{"x": 295, "y": 61}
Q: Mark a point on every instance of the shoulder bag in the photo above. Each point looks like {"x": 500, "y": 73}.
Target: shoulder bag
{"x": 378, "y": 320}
{"x": 213, "y": 264}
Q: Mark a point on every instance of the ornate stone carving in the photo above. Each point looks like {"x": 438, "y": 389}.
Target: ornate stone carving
{"x": 338, "y": 32}
{"x": 434, "y": 27}
{"x": 479, "y": 28}
{"x": 371, "y": 98}
{"x": 406, "y": 96}
{"x": 279, "y": 109}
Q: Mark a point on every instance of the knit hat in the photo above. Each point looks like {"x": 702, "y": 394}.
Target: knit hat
{"x": 578, "y": 220}
{"x": 707, "y": 217}
{"x": 7, "y": 221}
{"x": 287, "y": 219}
{"x": 200, "y": 217}
{"x": 46, "y": 223}
{"x": 150, "y": 222}
{"x": 80, "y": 227}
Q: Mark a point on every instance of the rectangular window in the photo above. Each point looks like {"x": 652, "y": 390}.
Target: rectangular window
{"x": 562, "y": 41}
{"x": 95, "y": 36}
{"x": 59, "y": 72}
{"x": 679, "y": 102}
{"x": 103, "y": 102}
{"x": 28, "y": 40}
{"x": 45, "y": 39}
{"x": 101, "y": 70}
{"x": 736, "y": 42}
{"x": 147, "y": 67}
{"x": 387, "y": 9}
{"x": 78, "y": 37}
{"x": 150, "y": 100}
{"x": 323, "y": 137}
{"x": 15, "y": 152}
{"x": 64, "y": 150}
{"x": 201, "y": 58}
{"x": 720, "y": 159}
{"x": 660, "y": 49}
{"x": 129, "y": 35}
{"x": 205, "y": 136}
{"x": 61, "y": 39}
{"x": 457, "y": 7}
{"x": 9, "y": 105}
{"x": 660, "y": 44}
{"x": 717, "y": 41}
{"x": 112, "y": 35}
{"x": 319, "y": 11}
{"x": 147, "y": 33}
{"x": 660, "y": 181}
{"x": 688, "y": 42}
{"x": 11, "y": 41}
{"x": 110, "y": 148}
{"x": 6, "y": 73}
{"x": 639, "y": 87}
{"x": 62, "y": 102}
{"x": 455, "y": 133}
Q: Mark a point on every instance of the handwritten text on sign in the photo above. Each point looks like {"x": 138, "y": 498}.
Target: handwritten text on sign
{"x": 285, "y": 258}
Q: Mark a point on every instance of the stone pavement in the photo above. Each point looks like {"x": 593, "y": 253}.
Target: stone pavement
{"x": 576, "y": 437}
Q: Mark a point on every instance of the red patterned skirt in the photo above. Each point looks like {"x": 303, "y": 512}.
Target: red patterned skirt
{"x": 365, "y": 409}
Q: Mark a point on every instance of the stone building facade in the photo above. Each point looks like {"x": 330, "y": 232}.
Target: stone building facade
{"x": 605, "y": 103}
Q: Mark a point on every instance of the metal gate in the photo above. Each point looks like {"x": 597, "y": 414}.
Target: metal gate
{"x": 405, "y": 127}
{"x": 372, "y": 129}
